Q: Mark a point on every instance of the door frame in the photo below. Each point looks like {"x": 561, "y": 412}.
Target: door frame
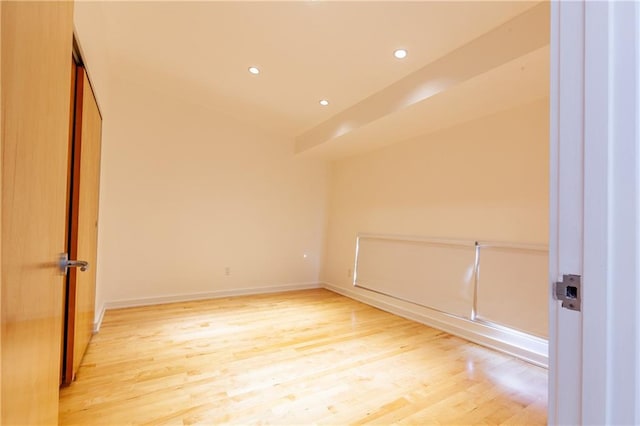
{"x": 81, "y": 85}
{"x": 565, "y": 206}
{"x": 75, "y": 143}
{"x": 594, "y": 356}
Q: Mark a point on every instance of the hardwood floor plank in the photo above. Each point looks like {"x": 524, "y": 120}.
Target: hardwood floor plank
{"x": 306, "y": 357}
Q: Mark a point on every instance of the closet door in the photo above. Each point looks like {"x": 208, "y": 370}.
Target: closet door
{"x": 83, "y": 229}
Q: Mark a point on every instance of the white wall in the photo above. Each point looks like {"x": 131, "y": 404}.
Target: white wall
{"x": 482, "y": 180}
{"x": 91, "y": 36}
{"x": 187, "y": 192}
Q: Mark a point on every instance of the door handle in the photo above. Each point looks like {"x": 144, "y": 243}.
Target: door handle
{"x": 65, "y": 264}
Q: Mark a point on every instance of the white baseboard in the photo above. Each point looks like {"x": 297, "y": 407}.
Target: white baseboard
{"x": 98, "y": 320}
{"x": 159, "y": 300}
{"x": 521, "y": 345}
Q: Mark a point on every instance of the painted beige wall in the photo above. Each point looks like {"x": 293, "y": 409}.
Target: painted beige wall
{"x": 91, "y": 36}
{"x": 482, "y": 180}
{"x": 186, "y": 193}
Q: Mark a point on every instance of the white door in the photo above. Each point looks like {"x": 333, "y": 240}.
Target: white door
{"x": 566, "y": 202}
{"x": 594, "y": 375}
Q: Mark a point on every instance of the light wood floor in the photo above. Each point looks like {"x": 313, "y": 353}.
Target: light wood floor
{"x": 293, "y": 358}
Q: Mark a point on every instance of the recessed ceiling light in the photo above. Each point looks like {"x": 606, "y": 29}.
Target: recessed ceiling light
{"x": 254, "y": 70}
{"x": 400, "y": 53}
{"x": 324, "y": 102}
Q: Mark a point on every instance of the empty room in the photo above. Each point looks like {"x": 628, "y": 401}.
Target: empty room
{"x": 298, "y": 212}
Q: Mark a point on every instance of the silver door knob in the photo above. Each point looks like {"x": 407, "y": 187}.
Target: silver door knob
{"x": 65, "y": 264}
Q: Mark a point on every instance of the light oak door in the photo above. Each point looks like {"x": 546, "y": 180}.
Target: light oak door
{"x": 36, "y": 42}
{"x": 83, "y": 235}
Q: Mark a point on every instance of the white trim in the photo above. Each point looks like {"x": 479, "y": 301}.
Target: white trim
{"x": 159, "y": 300}
{"x": 98, "y": 322}
{"x": 513, "y": 246}
{"x": 554, "y": 120}
{"x": 521, "y": 345}
{"x": 596, "y": 215}
{"x": 637, "y": 180}
{"x": 526, "y": 347}
{"x": 566, "y": 206}
{"x": 188, "y": 297}
{"x": 426, "y": 240}
{"x": 622, "y": 285}
{"x": 455, "y": 242}
{"x": 595, "y": 355}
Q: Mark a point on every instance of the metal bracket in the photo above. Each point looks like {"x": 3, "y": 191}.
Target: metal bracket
{"x": 569, "y": 291}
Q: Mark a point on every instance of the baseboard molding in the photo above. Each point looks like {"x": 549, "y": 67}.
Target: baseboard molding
{"x": 526, "y": 347}
{"x": 98, "y": 321}
{"x": 187, "y": 297}
{"x": 521, "y": 345}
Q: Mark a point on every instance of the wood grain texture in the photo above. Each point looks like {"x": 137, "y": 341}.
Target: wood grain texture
{"x": 36, "y": 48}
{"x": 1, "y": 190}
{"x": 68, "y": 370}
{"x": 64, "y": 376}
{"x": 293, "y": 358}
{"x": 87, "y": 219}
{"x": 83, "y": 236}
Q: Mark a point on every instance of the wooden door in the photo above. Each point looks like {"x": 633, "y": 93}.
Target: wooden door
{"x": 36, "y": 85}
{"x": 83, "y": 234}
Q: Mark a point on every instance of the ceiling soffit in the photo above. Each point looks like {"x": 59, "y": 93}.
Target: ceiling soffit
{"x": 517, "y": 38}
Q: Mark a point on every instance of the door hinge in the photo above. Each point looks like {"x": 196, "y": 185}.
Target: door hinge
{"x": 569, "y": 291}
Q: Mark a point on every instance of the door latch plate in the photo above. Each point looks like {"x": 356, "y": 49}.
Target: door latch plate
{"x": 569, "y": 291}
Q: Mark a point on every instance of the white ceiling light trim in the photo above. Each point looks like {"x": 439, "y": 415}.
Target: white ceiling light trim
{"x": 400, "y": 53}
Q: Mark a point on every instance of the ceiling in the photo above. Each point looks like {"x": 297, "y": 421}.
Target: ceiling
{"x": 306, "y": 50}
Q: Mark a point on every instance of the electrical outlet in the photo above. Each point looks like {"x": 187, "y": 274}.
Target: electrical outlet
{"x": 227, "y": 271}
{"x": 349, "y": 273}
